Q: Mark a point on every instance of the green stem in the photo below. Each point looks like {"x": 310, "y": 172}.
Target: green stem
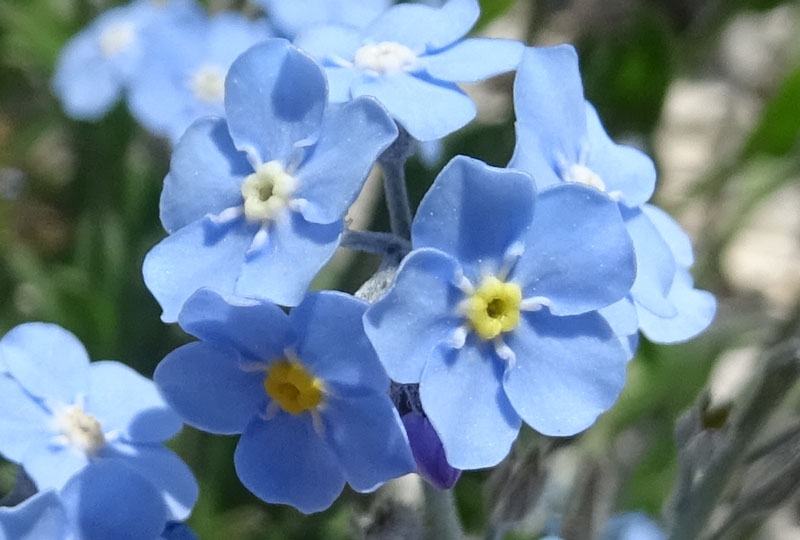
{"x": 441, "y": 518}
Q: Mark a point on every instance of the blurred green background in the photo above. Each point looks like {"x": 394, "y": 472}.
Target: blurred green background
{"x": 710, "y": 88}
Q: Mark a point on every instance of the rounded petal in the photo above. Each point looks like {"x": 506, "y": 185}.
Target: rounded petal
{"x": 42, "y": 516}
{"x": 283, "y": 460}
{"x": 415, "y": 315}
{"x": 48, "y": 361}
{"x": 291, "y": 16}
{"x": 340, "y": 81}
{"x": 577, "y": 252}
{"x": 676, "y": 238}
{"x": 330, "y": 43}
{"x": 473, "y": 60}
{"x": 530, "y": 156}
{"x": 23, "y": 421}
{"x": 205, "y": 176}
{"x": 51, "y": 466}
{"x": 622, "y": 317}
{"x": 568, "y": 371}
{"x": 205, "y": 384}
{"x": 239, "y": 323}
{"x": 333, "y": 343}
{"x": 368, "y": 437}
{"x": 695, "y": 311}
{"x": 462, "y": 394}
{"x": 177, "y": 531}
{"x": 353, "y": 135}
{"x": 428, "y": 452}
{"x": 427, "y": 108}
{"x": 284, "y": 267}
{"x": 474, "y": 213}
{"x": 275, "y": 97}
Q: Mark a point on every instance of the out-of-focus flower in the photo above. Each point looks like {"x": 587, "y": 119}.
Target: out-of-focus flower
{"x": 292, "y": 16}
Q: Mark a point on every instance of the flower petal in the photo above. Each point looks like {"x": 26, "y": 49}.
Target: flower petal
{"x": 330, "y": 43}
{"x": 51, "y": 466}
{"x": 291, "y": 16}
{"x": 428, "y": 452}
{"x": 695, "y": 311}
{"x": 23, "y": 422}
{"x": 676, "y": 238}
{"x": 568, "y": 371}
{"x": 621, "y": 317}
{"x": 284, "y": 461}
{"x": 473, "y": 60}
{"x": 530, "y": 157}
{"x": 39, "y": 517}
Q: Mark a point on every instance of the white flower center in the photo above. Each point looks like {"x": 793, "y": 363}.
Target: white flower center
{"x": 208, "y": 84}
{"x": 385, "y": 57}
{"x": 267, "y": 191}
{"x": 81, "y": 430}
{"x": 117, "y": 37}
{"x": 581, "y": 174}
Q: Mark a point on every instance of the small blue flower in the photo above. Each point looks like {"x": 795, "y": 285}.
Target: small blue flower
{"x": 305, "y": 390}
{"x": 560, "y": 139}
{"x": 95, "y": 66}
{"x": 494, "y": 312}
{"x": 254, "y": 206}
{"x": 631, "y": 526}
{"x": 292, "y": 16}
{"x": 59, "y": 413}
{"x": 184, "y": 78}
{"x": 410, "y": 59}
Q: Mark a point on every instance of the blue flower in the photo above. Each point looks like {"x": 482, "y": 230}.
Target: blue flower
{"x": 292, "y": 16}
{"x": 254, "y": 206}
{"x": 560, "y": 139}
{"x": 59, "y": 413}
{"x": 410, "y": 59}
{"x": 305, "y": 390}
{"x": 494, "y": 312}
{"x": 631, "y": 526}
{"x": 184, "y": 78}
{"x": 95, "y": 66}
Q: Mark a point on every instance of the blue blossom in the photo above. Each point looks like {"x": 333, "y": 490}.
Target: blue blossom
{"x": 494, "y": 312}
{"x": 254, "y": 205}
{"x": 292, "y": 16}
{"x": 410, "y": 58}
{"x": 59, "y": 413}
{"x": 305, "y": 390}
{"x": 560, "y": 139}
{"x": 184, "y": 77}
{"x": 631, "y": 526}
{"x": 96, "y": 65}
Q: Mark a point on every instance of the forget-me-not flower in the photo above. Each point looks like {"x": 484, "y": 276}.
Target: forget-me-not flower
{"x": 97, "y": 64}
{"x": 184, "y": 77}
{"x": 254, "y": 205}
{"x": 305, "y": 390}
{"x": 59, "y": 413}
{"x": 410, "y": 58}
{"x": 292, "y": 16}
{"x": 560, "y": 139}
{"x": 494, "y": 312}
{"x": 631, "y": 526}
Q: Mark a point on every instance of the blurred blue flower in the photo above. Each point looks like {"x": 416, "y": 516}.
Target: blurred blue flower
{"x": 96, "y": 65}
{"x": 184, "y": 77}
{"x": 292, "y": 16}
{"x": 305, "y": 390}
{"x": 560, "y": 139}
{"x": 410, "y": 59}
{"x": 631, "y": 526}
{"x": 254, "y": 206}
{"x": 494, "y": 312}
{"x": 59, "y": 413}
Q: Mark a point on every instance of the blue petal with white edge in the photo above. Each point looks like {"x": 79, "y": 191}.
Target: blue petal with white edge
{"x": 417, "y": 313}
{"x": 23, "y": 421}
{"x": 205, "y": 383}
{"x": 475, "y": 213}
{"x": 462, "y": 394}
{"x": 42, "y": 516}
{"x": 206, "y": 175}
{"x": 577, "y": 252}
{"x": 473, "y": 60}
{"x": 330, "y": 44}
{"x": 282, "y": 269}
{"x": 353, "y": 135}
{"x": 283, "y": 460}
{"x": 568, "y": 371}
{"x": 48, "y": 361}
{"x": 275, "y": 97}
{"x": 291, "y": 16}
{"x": 331, "y": 341}
{"x": 368, "y": 437}
{"x": 676, "y": 238}
{"x": 696, "y": 310}
{"x": 427, "y": 108}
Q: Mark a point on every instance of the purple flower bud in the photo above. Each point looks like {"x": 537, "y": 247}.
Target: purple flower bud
{"x": 428, "y": 452}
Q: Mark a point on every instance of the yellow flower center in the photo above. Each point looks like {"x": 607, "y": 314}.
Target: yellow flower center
{"x": 494, "y": 307}
{"x": 292, "y": 387}
{"x": 267, "y": 192}
{"x": 81, "y": 429}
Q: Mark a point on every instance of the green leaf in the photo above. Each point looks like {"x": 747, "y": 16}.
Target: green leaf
{"x": 777, "y": 132}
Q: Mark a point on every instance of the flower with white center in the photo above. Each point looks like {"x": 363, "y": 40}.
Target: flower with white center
{"x": 208, "y": 83}
{"x": 385, "y": 57}
{"x": 117, "y": 37}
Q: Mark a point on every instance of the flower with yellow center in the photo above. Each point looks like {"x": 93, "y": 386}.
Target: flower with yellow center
{"x": 493, "y": 308}
{"x": 293, "y": 388}
{"x": 267, "y": 192}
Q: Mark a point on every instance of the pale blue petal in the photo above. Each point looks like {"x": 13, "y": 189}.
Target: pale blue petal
{"x": 330, "y": 44}
{"x": 207, "y": 387}
{"x": 239, "y": 323}
{"x": 462, "y": 395}
{"x": 332, "y": 342}
{"x": 42, "y": 517}
{"x": 284, "y": 461}
{"x": 231, "y": 33}
{"x": 577, "y": 252}
{"x": 695, "y": 311}
{"x": 51, "y": 466}
{"x": 622, "y": 317}
{"x": 474, "y": 213}
{"x": 473, "y": 60}
{"x": 283, "y": 268}
{"x": 427, "y": 108}
{"x": 292, "y": 16}
{"x": 676, "y": 238}
{"x": 125, "y": 402}
{"x": 352, "y": 137}
{"x": 631, "y": 526}
{"x": 568, "y": 371}
{"x": 530, "y": 157}
{"x": 340, "y": 81}
{"x": 368, "y": 437}
{"x": 48, "y": 361}
{"x": 23, "y": 422}
{"x": 416, "y": 314}
{"x": 275, "y": 97}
